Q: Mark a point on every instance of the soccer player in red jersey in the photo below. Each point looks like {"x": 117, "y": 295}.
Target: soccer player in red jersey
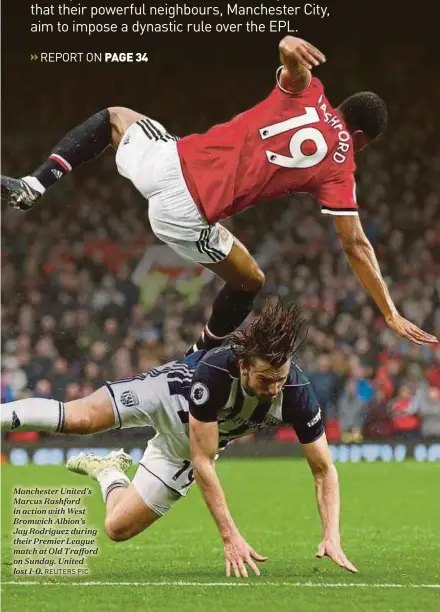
{"x": 293, "y": 141}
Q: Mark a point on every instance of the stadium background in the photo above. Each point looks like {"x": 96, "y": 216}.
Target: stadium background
{"x": 67, "y": 268}
{"x": 88, "y": 294}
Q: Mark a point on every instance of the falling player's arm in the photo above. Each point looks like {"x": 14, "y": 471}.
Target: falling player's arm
{"x": 324, "y": 472}
{"x": 204, "y": 447}
{"x": 298, "y": 57}
{"x": 337, "y": 197}
{"x": 209, "y": 393}
{"x": 362, "y": 258}
{"x": 302, "y": 410}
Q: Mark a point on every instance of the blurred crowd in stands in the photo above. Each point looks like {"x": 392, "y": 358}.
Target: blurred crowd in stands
{"x": 72, "y": 317}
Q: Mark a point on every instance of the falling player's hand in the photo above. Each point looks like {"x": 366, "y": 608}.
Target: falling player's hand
{"x": 331, "y": 548}
{"x": 238, "y": 553}
{"x": 408, "y": 330}
{"x": 304, "y": 53}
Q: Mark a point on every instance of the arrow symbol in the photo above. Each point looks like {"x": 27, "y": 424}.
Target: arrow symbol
{"x": 34, "y": 57}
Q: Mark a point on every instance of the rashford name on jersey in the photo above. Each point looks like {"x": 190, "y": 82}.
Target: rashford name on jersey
{"x": 288, "y": 143}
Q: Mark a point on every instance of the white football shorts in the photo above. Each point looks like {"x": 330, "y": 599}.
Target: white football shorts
{"x": 147, "y": 155}
{"x": 165, "y": 472}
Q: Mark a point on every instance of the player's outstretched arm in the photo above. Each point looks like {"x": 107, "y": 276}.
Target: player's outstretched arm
{"x": 327, "y": 493}
{"x": 204, "y": 447}
{"x": 363, "y": 260}
{"x": 298, "y": 58}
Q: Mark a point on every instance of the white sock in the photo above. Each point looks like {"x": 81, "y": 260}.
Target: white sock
{"x": 32, "y": 414}
{"x": 33, "y": 182}
{"x": 110, "y": 478}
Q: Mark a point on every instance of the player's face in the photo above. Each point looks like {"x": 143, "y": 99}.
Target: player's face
{"x": 262, "y": 380}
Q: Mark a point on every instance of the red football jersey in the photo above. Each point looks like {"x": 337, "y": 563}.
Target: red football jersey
{"x": 288, "y": 143}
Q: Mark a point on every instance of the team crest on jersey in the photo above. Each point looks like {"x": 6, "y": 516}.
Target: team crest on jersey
{"x": 129, "y": 399}
{"x": 15, "y": 420}
{"x": 199, "y": 393}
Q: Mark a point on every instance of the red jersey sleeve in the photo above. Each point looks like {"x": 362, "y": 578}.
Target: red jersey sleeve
{"x": 337, "y": 196}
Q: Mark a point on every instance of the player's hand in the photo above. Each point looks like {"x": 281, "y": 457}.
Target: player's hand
{"x": 408, "y": 330}
{"x": 332, "y": 548}
{"x": 303, "y": 52}
{"x": 238, "y": 554}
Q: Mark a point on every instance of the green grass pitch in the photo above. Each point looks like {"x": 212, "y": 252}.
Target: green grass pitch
{"x": 390, "y": 530}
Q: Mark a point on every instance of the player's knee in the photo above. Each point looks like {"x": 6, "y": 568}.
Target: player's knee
{"x": 120, "y": 120}
{"x": 116, "y": 531}
{"x": 118, "y": 114}
{"x": 260, "y": 279}
{"x": 252, "y": 281}
{"x": 79, "y": 418}
{"x": 83, "y": 423}
{"x": 256, "y": 280}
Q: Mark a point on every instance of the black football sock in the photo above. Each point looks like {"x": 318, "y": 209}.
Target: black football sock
{"x": 82, "y": 144}
{"x": 230, "y": 309}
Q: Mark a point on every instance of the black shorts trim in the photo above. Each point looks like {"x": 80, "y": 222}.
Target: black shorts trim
{"x": 204, "y": 247}
{"x": 114, "y": 403}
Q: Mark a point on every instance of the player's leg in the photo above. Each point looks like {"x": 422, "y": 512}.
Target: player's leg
{"x": 131, "y": 511}
{"x": 83, "y": 143}
{"x": 176, "y": 220}
{"x": 125, "y": 403}
{"x": 160, "y": 476}
{"x": 88, "y": 415}
{"x": 127, "y": 514}
{"x": 131, "y": 507}
{"x": 244, "y": 280}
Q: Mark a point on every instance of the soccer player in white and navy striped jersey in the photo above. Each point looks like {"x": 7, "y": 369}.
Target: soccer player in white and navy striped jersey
{"x": 198, "y": 405}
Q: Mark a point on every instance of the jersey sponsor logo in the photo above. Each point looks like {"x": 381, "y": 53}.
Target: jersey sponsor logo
{"x": 315, "y": 419}
{"x": 129, "y": 399}
{"x": 126, "y": 140}
{"x": 271, "y": 421}
{"x": 199, "y": 393}
{"x": 223, "y": 414}
{"x": 250, "y": 424}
